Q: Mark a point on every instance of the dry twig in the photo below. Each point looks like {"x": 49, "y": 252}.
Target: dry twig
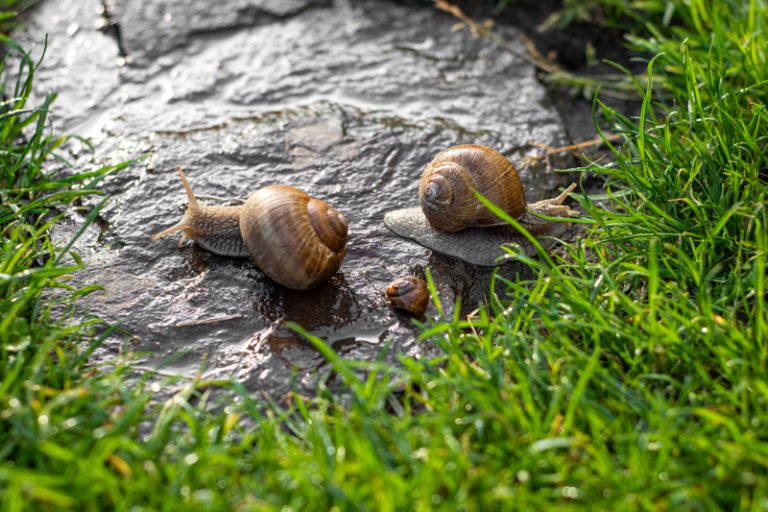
{"x": 614, "y": 85}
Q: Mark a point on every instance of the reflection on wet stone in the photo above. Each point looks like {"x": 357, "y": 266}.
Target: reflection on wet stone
{"x": 345, "y": 100}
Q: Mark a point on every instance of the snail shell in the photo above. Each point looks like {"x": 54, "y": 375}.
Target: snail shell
{"x": 447, "y": 185}
{"x": 408, "y": 293}
{"x": 452, "y": 221}
{"x": 296, "y": 240}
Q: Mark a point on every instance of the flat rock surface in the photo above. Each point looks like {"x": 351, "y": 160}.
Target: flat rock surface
{"x": 486, "y": 246}
{"x": 346, "y": 100}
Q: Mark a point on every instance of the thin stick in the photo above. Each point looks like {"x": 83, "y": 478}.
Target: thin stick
{"x": 575, "y": 147}
{"x": 482, "y": 30}
{"x": 620, "y": 89}
{"x": 214, "y": 320}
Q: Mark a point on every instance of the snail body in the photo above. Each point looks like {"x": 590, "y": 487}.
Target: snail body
{"x": 296, "y": 240}
{"x": 409, "y": 294}
{"x": 451, "y": 220}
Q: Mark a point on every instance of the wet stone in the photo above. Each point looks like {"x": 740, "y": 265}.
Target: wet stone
{"x": 81, "y": 62}
{"x": 346, "y": 101}
{"x": 152, "y": 28}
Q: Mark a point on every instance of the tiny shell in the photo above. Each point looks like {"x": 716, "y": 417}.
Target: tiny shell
{"x": 408, "y": 293}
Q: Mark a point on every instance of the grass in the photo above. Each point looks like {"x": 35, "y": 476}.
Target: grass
{"x": 10, "y": 11}
{"x": 629, "y": 374}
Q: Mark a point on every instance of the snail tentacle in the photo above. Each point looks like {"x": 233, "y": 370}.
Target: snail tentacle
{"x": 186, "y": 222}
{"x": 181, "y": 226}
{"x": 193, "y": 204}
{"x": 554, "y": 206}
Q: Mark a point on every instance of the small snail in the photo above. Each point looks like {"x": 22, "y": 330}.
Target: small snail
{"x": 296, "y": 240}
{"x": 452, "y": 221}
{"x": 408, "y": 293}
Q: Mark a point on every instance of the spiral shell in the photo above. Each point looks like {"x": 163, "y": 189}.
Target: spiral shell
{"x": 446, "y": 189}
{"x": 296, "y": 240}
{"x": 408, "y": 293}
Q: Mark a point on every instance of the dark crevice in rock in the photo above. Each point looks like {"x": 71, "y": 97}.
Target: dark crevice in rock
{"x": 111, "y": 27}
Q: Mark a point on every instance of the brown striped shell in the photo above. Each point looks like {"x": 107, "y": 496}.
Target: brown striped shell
{"x": 296, "y": 240}
{"x": 408, "y": 293}
{"x": 446, "y": 189}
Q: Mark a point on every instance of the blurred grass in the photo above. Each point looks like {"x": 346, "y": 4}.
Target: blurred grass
{"x": 10, "y": 11}
{"x": 629, "y": 374}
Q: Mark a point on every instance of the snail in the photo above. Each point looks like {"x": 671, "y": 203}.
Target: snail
{"x": 452, "y": 221}
{"x": 408, "y": 293}
{"x": 296, "y": 240}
